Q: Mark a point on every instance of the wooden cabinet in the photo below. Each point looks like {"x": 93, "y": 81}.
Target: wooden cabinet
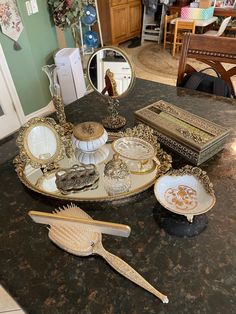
{"x": 135, "y": 17}
{"x": 119, "y": 23}
{"x": 120, "y": 20}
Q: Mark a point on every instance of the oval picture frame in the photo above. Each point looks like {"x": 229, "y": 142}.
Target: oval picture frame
{"x": 26, "y": 156}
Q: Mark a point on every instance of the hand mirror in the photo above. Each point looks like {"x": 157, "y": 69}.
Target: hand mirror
{"x": 111, "y": 75}
{"x": 41, "y": 142}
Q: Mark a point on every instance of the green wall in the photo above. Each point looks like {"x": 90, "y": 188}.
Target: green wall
{"x": 38, "y": 41}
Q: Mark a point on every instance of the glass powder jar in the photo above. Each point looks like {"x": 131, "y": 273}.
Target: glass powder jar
{"x": 117, "y": 178}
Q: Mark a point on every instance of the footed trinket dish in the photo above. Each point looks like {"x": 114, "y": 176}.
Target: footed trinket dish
{"x": 187, "y": 191}
{"x": 137, "y": 153}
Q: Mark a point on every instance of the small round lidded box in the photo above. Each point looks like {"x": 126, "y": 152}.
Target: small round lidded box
{"x": 89, "y": 136}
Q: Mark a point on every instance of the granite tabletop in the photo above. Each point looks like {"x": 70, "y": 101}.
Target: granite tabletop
{"x": 198, "y": 274}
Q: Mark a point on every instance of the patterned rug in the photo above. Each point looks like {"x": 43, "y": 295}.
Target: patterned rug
{"x": 154, "y": 63}
{"x": 156, "y": 60}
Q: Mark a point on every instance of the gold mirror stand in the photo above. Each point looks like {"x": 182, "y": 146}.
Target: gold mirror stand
{"x": 113, "y": 120}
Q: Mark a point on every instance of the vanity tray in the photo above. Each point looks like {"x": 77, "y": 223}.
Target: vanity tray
{"x": 191, "y": 136}
{"x": 44, "y": 183}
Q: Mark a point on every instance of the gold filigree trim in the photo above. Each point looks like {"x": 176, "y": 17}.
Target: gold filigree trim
{"x": 197, "y": 173}
{"x": 25, "y": 157}
{"x": 192, "y": 135}
{"x": 190, "y": 118}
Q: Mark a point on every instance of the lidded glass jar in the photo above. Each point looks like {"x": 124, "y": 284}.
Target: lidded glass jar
{"x": 89, "y": 136}
{"x": 117, "y": 178}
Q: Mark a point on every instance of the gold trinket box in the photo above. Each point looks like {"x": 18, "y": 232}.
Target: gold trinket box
{"x": 193, "y": 137}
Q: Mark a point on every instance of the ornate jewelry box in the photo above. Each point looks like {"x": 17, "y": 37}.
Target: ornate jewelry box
{"x": 193, "y": 137}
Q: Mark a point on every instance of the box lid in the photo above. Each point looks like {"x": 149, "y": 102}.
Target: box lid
{"x": 188, "y": 129}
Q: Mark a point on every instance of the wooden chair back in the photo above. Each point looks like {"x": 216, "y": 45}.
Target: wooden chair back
{"x": 167, "y": 31}
{"x": 185, "y": 25}
{"x": 182, "y": 27}
{"x": 213, "y": 51}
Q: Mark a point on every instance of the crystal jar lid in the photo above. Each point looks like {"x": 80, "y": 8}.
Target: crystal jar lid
{"x": 88, "y": 131}
{"x": 116, "y": 168}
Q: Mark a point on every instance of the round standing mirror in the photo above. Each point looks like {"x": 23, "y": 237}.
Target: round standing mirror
{"x": 40, "y": 142}
{"x": 110, "y": 72}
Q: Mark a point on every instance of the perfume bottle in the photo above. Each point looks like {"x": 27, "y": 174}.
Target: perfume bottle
{"x": 117, "y": 178}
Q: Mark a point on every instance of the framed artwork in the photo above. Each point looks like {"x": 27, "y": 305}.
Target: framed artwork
{"x": 218, "y": 3}
{"x": 225, "y": 3}
{"x": 229, "y": 3}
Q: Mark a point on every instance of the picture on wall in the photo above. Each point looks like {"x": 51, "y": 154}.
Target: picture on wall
{"x": 229, "y": 3}
{"x": 10, "y": 20}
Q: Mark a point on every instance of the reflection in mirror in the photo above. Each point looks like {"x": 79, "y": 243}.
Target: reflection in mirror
{"x": 110, "y": 72}
{"x": 42, "y": 142}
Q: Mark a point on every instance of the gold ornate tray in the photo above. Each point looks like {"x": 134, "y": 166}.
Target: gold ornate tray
{"x": 44, "y": 183}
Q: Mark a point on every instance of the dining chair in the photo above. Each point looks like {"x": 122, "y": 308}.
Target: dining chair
{"x": 181, "y": 27}
{"x": 220, "y": 30}
{"x": 216, "y": 52}
{"x": 168, "y": 29}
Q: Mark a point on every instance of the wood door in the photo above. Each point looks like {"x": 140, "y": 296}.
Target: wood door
{"x": 119, "y": 23}
{"x": 135, "y": 11}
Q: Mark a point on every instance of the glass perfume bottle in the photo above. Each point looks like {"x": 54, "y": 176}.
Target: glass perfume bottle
{"x": 117, "y": 178}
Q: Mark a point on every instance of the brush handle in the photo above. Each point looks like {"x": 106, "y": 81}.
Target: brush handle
{"x": 89, "y": 224}
{"x": 127, "y": 271}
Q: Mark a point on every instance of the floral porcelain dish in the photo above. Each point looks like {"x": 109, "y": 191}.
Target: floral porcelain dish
{"x": 186, "y": 191}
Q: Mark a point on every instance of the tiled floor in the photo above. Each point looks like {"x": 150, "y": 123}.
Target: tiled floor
{"x": 8, "y": 304}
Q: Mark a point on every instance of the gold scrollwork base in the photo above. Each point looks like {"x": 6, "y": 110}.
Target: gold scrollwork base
{"x": 114, "y": 122}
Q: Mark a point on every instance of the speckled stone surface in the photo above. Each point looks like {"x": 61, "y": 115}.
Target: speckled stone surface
{"x": 198, "y": 274}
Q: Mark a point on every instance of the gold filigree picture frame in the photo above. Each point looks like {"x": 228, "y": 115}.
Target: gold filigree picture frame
{"x": 28, "y": 132}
